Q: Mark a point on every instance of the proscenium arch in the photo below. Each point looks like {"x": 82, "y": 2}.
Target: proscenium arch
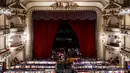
{"x": 29, "y": 22}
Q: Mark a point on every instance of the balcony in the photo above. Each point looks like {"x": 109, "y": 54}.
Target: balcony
{"x": 112, "y": 49}
{"x": 113, "y": 44}
{"x": 126, "y": 49}
{"x": 111, "y": 27}
{"x": 4, "y": 53}
{"x": 17, "y": 27}
{"x": 17, "y": 48}
{"x": 125, "y": 27}
{"x": 4, "y": 27}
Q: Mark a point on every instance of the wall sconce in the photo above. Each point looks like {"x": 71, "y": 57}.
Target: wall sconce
{"x": 25, "y": 37}
{"x": 124, "y": 11}
{"x": 103, "y": 38}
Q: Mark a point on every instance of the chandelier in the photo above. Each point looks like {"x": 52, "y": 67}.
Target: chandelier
{"x": 5, "y": 11}
{"x": 64, "y": 5}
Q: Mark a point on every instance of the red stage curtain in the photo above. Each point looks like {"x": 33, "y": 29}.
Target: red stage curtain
{"x": 85, "y": 31}
{"x": 44, "y": 33}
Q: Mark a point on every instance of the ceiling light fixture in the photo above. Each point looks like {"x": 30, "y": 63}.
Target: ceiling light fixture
{"x": 5, "y": 11}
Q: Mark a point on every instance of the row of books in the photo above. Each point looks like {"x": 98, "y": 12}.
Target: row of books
{"x": 24, "y": 67}
{"x": 102, "y": 71}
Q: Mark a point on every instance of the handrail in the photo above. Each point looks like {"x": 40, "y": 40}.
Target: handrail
{"x": 17, "y": 26}
{"x": 113, "y": 26}
{"x": 2, "y": 27}
{"x": 125, "y": 27}
{"x": 4, "y": 51}
{"x": 126, "y": 49}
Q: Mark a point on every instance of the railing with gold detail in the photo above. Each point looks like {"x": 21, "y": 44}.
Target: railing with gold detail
{"x": 111, "y": 27}
{"x": 126, "y": 49}
{"x": 4, "y": 54}
{"x": 17, "y": 26}
{"x": 126, "y": 27}
{"x": 3, "y": 27}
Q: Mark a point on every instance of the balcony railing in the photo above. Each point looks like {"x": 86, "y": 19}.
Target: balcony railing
{"x": 18, "y": 48}
{"x": 16, "y": 44}
{"x": 113, "y": 44}
{"x": 6, "y": 27}
{"x": 112, "y": 26}
{"x": 127, "y": 27}
{"x": 3, "y": 50}
{"x": 126, "y": 49}
{"x": 2, "y": 27}
{"x": 17, "y": 26}
{"x": 109, "y": 47}
{"x": 4, "y": 54}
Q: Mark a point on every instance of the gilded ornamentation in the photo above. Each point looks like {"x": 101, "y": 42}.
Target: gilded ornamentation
{"x": 64, "y": 5}
{"x": 120, "y": 17}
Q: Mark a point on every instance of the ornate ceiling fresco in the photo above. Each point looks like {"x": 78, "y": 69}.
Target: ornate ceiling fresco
{"x": 10, "y": 1}
{"x": 26, "y": 1}
{"x": 125, "y": 3}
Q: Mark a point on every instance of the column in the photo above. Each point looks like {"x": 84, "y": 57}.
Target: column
{"x": 7, "y": 63}
{"x": 122, "y": 61}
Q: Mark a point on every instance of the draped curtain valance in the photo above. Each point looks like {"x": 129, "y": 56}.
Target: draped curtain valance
{"x": 64, "y": 15}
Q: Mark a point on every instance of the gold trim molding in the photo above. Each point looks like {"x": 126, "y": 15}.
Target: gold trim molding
{"x": 64, "y": 5}
{"x": 98, "y": 26}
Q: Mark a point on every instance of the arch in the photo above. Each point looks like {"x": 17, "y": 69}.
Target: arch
{"x": 16, "y": 20}
{"x": 113, "y": 20}
{"x": 29, "y": 47}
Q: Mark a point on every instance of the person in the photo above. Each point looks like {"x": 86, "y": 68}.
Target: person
{"x": 117, "y": 60}
{"x": 110, "y": 60}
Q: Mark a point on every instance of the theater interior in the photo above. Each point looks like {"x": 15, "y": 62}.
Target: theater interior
{"x": 64, "y": 36}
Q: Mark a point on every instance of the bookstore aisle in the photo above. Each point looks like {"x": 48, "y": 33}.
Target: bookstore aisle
{"x": 78, "y": 66}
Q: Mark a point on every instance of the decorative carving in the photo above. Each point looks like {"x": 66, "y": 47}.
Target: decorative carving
{"x": 64, "y": 15}
{"x": 17, "y": 5}
{"x": 109, "y": 48}
{"x": 120, "y": 17}
{"x": 18, "y": 8}
{"x": 125, "y": 53}
{"x": 4, "y": 55}
{"x": 112, "y": 49}
{"x": 113, "y": 5}
{"x": 64, "y": 5}
{"x": 105, "y": 17}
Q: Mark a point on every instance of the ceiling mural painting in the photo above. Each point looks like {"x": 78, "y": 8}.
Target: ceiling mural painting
{"x": 122, "y": 2}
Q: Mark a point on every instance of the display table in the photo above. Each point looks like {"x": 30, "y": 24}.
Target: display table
{"x": 88, "y": 66}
